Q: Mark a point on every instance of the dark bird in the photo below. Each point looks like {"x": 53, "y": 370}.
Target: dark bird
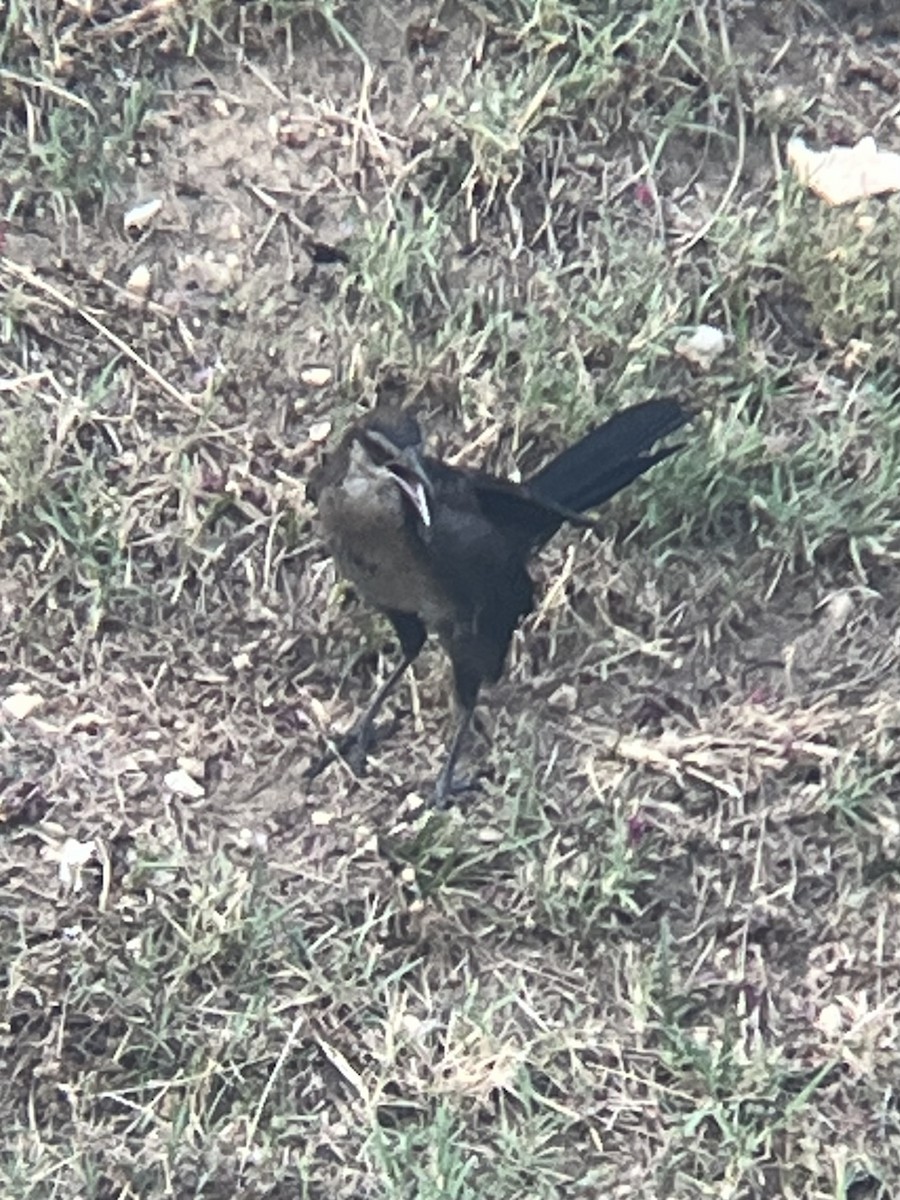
{"x": 441, "y": 548}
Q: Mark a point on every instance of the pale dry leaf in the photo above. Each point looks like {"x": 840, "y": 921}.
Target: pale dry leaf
{"x": 182, "y": 784}
{"x": 208, "y": 273}
{"x": 845, "y": 174}
{"x": 856, "y": 353}
{"x": 140, "y": 216}
{"x": 565, "y": 696}
{"x": 703, "y": 346}
{"x": 138, "y": 282}
{"x": 319, "y": 431}
{"x": 71, "y": 856}
{"x": 830, "y": 1020}
{"x": 839, "y": 607}
{"x": 20, "y": 705}
{"x": 480, "y": 1070}
{"x": 87, "y": 721}
{"x": 315, "y": 377}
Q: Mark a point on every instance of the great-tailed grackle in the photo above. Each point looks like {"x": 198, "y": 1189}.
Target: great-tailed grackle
{"x": 445, "y": 549}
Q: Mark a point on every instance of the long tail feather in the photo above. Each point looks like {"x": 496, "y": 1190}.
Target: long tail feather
{"x": 610, "y": 457}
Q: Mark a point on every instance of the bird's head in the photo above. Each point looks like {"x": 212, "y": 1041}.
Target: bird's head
{"x": 388, "y": 443}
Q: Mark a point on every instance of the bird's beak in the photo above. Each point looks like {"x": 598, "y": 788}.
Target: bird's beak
{"x": 409, "y": 472}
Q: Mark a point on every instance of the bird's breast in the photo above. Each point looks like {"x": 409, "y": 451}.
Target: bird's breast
{"x": 375, "y": 547}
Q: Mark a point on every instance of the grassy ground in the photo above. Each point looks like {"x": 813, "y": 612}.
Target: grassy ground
{"x": 657, "y": 955}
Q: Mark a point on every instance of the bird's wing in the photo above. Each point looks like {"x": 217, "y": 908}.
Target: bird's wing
{"x": 582, "y": 477}
{"x": 481, "y": 569}
{"x": 524, "y": 517}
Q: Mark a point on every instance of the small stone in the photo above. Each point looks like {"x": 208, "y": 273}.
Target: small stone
{"x": 315, "y": 376}
{"x": 138, "y": 282}
{"x": 140, "y": 216}
{"x": 830, "y": 1020}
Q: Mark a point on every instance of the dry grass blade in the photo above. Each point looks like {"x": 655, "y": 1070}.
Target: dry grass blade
{"x": 25, "y": 275}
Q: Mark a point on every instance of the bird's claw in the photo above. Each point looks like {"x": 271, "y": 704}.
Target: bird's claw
{"x": 351, "y": 748}
{"x": 447, "y": 790}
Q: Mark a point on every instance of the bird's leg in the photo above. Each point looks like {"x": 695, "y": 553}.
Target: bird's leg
{"x": 445, "y": 787}
{"x": 354, "y": 745}
{"x": 360, "y": 737}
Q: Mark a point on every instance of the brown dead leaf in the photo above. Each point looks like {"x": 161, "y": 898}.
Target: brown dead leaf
{"x": 845, "y": 174}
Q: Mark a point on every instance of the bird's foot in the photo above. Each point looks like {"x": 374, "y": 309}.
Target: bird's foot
{"x": 351, "y": 747}
{"x": 448, "y": 790}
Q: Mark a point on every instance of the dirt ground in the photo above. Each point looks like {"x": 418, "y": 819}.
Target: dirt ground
{"x": 656, "y": 953}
